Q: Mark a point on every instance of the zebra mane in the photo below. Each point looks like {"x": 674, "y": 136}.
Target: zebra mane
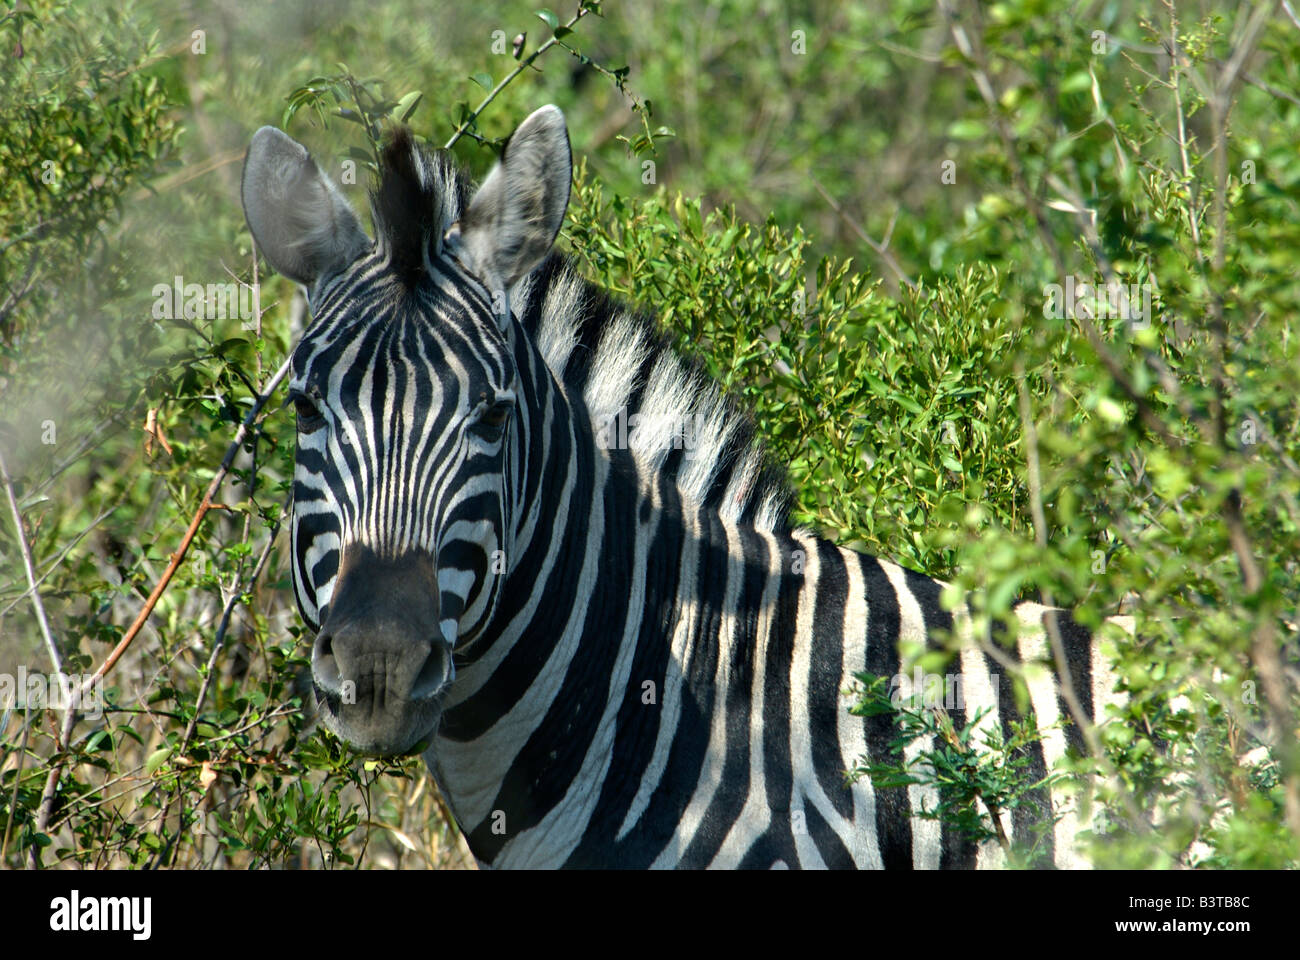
{"x": 610, "y": 354}
{"x": 419, "y": 194}
{"x": 617, "y": 358}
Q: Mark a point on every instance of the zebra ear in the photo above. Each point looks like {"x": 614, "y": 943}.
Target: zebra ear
{"x": 300, "y": 220}
{"x": 516, "y": 214}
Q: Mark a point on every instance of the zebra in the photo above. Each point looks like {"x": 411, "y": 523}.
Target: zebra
{"x": 611, "y": 654}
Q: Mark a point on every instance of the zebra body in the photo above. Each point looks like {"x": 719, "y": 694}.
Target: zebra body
{"x": 618, "y": 655}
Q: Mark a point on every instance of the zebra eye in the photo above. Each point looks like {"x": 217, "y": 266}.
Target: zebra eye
{"x": 309, "y": 417}
{"x": 493, "y": 420}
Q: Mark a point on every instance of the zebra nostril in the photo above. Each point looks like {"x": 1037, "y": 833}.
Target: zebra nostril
{"x": 433, "y": 674}
{"x": 324, "y": 666}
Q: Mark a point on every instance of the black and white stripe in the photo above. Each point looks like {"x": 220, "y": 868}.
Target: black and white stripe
{"x": 657, "y": 676}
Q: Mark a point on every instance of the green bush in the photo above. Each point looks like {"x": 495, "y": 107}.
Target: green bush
{"x": 940, "y": 416}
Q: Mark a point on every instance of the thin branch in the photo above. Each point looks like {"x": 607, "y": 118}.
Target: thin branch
{"x": 21, "y": 288}
{"x": 204, "y": 506}
{"x": 93, "y": 439}
{"x": 57, "y": 561}
{"x": 1065, "y": 679}
{"x": 1264, "y": 647}
{"x": 13, "y": 799}
{"x": 1188, "y": 180}
{"x": 47, "y": 794}
{"x": 1040, "y": 537}
{"x": 524, "y": 64}
{"x": 881, "y": 250}
{"x": 979, "y": 71}
{"x": 218, "y": 644}
{"x": 35, "y": 594}
{"x": 220, "y": 638}
{"x": 1268, "y": 88}
{"x": 191, "y": 172}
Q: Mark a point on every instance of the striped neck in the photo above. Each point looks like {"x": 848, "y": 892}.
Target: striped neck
{"x": 604, "y": 654}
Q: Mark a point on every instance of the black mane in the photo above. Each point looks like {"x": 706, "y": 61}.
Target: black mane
{"x": 419, "y": 194}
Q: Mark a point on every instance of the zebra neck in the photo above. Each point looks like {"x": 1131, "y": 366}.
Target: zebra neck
{"x": 636, "y": 634}
{"x": 660, "y": 686}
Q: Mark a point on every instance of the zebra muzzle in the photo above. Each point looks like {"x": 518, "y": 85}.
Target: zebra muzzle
{"x": 380, "y": 661}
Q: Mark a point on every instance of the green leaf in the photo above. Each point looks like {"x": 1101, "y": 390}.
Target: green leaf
{"x": 407, "y": 105}
{"x": 156, "y": 760}
{"x": 968, "y": 130}
{"x": 484, "y": 80}
{"x": 1078, "y": 81}
{"x": 549, "y": 18}
{"x": 907, "y": 403}
{"x": 1109, "y": 410}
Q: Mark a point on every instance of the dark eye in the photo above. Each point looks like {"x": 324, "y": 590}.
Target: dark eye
{"x": 493, "y": 420}
{"x": 309, "y": 416}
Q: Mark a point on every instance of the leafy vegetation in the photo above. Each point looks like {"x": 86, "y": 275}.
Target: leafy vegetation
{"x": 873, "y": 225}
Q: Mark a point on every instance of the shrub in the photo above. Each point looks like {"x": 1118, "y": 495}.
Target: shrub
{"x": 945, "y": 416}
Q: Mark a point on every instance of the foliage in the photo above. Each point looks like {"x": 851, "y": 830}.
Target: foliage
{"x": 976, "y": 775}
{"x": 942, "y": 415}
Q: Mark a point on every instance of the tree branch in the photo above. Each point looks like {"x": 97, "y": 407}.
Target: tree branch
{"x": 505, "y": 81}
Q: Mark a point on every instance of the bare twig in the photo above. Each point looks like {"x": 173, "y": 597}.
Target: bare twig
{"x": 93, "y": 439}
{"x": 30, "y": 570}
{"x": 881, "y": 250}
{"x": 524, "y": 64}
{"x": 52, "y": 780}
{"x": 54, "y": 564}
{"x": 204, "y": 506}
{"x": 193, "y": 171}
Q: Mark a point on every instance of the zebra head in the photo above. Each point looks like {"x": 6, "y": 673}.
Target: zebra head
{"x": 408, "y": 397}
